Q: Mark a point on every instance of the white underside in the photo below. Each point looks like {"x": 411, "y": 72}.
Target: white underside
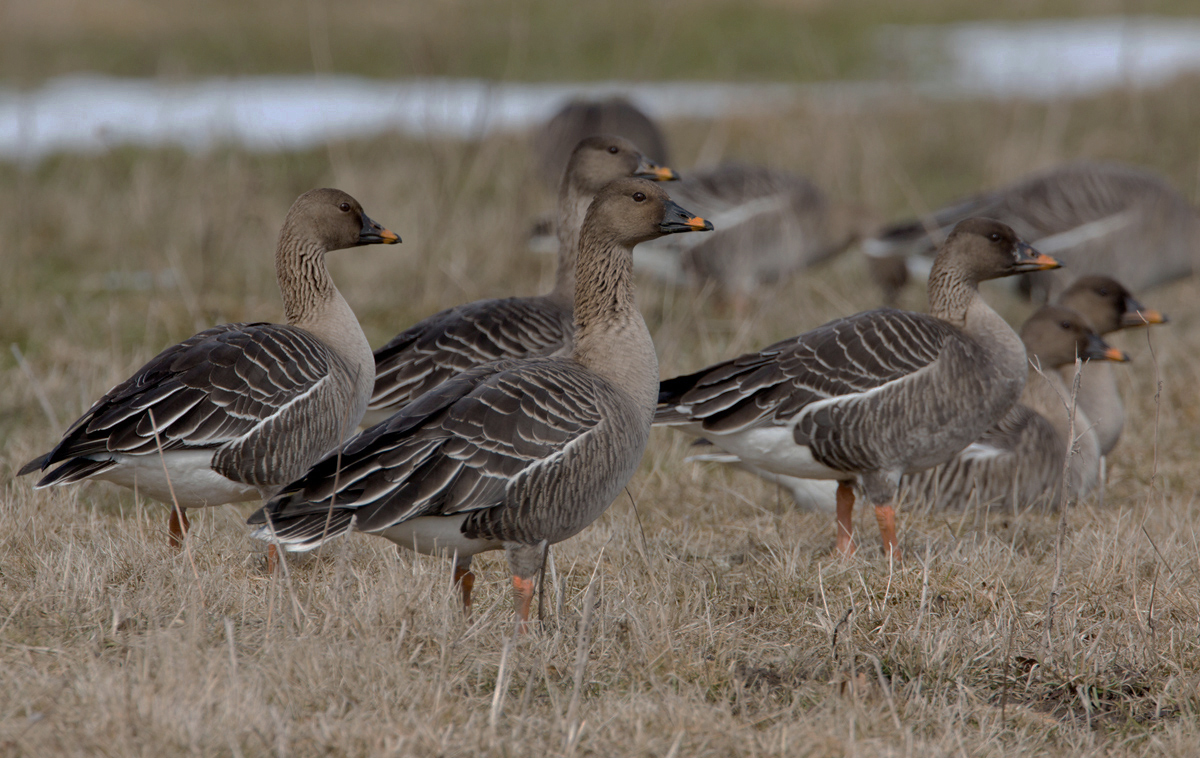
{"x": 438, "y": 535}
{"x": 773, "y": 449}
{"x": 817, "y": 495}
{"x": 192, "y": 480}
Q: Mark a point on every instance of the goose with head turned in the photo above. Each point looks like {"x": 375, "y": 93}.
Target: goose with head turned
{"x": 435, "y": 349}
{"x": 868, "y": 398}
{"x": 238, "y": 410}
{"x": 518, "y": 454}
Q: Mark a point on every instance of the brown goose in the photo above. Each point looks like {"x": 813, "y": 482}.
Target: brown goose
{"x": 1023, "y": 435}
{"x": 239, "y": 410}
{"x": 875, "y": 395}
{"x": 430, "y": 352}
{"x": 1098, "y": 218}
{"x": 518, "y": 454}
{"x": 580, "y": 119}
{"x": 770, "y": 223}
{"x": 1109, "y": 307}
{"x": 1020, "y": 459}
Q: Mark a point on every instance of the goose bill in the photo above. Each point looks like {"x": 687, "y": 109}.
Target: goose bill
{"x": 374, "y": 234}
{"x": 1099, "y": 350}
{"x": 1029, "y": 260}
{"x": 679, "y": 220}
{"x": 1138, "y": 315}
{"x": 650, "y": 170}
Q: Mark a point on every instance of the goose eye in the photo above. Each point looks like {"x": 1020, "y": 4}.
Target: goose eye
{"x": 344, "y": 207}
{"x": 638, "y": 197}
{"x": 1104, "y": 291}
{"x": 613, "y": 149}
{"x": 994, "y": 236}
{"x": 1065, "y": 324}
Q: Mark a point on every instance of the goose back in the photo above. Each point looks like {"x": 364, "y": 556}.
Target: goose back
{"x": 456, "y": 339}
{"x": 1097, "y": 218}
{"x": 769, "y": 223}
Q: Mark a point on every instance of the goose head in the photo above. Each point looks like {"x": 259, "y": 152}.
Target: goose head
{"x": 330, "y": 219}
{"x": 598, "y": 160}
{"x": 629, "y": 211}
{"x": 1056, "y": 335}
{"x": 982, "y": 249}
{"x": 1108, "y": 305}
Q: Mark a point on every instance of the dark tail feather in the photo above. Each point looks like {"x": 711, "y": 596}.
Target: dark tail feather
{"x": 37, "y": 464}
{"x": 74, "y": 470}
{"x": 301, "y": 533}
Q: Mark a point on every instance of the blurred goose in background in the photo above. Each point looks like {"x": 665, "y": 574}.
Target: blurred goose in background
{"x": 1097, "y": 218}
{"x": 876, "y": 395}
{"x": 238, "y": 410}
{"x": 430, "y": 352}
{"x": 1019, "y": 461}
{"x": 518, "y": 454}
{"x": 769, "y": 223}
{"x": 1108, "y": 306}
{"x": 580, "y": 119}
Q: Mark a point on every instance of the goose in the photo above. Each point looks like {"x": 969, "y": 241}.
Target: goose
{"x": 1021, "y": 438}
{"x": 239, "y": 410}
{"x": 1020, "y": 459}
{"x": 769, "y": 222}
{"x": 517, "y": 454}
{"x": 582, "y": 118}
{"x": 1108, "y": 306}
{"x": 430, "y": 352}
{"x": 873, "y": 396}
{"x": 1097, "y": 218}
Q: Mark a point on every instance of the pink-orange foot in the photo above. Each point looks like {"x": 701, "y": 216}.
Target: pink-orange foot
{"x": 466, "y": 581}
{"x": 177, "y": 527}
{"x": 845, "y": 521}
{"x": 885, "y": 515}
{"x": 524, "y": 593}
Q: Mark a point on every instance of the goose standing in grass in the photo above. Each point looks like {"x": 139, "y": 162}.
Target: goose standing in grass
{"x": 770, "y": 223}
{"x": 517, "y": 454}
{"x": 447, "y": 343}
{"x": 1019, "y": 461}
{"x": 237, "y": 411}
{"x": 876, "y": 395}
{"x": 1017, "y": 446}
{"x": 1097, "y": 218}
{"x": 1108, "y": 306}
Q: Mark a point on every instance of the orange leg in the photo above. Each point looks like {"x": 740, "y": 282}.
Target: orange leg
{"x": 177, "y": 525}
{"x": 465, "y": 579}
{"x": 272, "y": 558}
{"x": 524, "y": 590}
{"x": 845, "y": 521}
{"x": 886, "y": 516}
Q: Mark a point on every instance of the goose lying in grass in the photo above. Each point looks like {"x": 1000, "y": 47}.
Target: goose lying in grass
{"x": 1097, "y": 218}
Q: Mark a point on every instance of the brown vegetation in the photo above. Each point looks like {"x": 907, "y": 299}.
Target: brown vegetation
{"x": 709, "y": 621}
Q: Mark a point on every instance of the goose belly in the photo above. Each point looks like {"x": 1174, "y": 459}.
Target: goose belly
{"x": 438, "y": 535}
{"x": 187, "y": 474}
{"x": 775, "y": 450}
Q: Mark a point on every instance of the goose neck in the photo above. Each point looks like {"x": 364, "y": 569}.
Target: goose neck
{"x": 572, "y": 208}
{"x": 951, "y": 294}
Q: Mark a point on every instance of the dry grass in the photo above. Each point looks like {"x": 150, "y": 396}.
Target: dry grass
{"x": 726, "y": 630}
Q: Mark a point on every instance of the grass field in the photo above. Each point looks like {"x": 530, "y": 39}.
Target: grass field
{"x": 710, "y": 620}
